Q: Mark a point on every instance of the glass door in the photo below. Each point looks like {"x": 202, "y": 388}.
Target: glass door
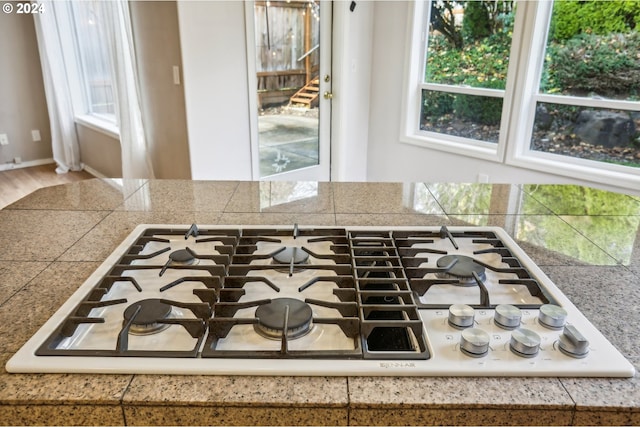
{"x": 288, "y": 45}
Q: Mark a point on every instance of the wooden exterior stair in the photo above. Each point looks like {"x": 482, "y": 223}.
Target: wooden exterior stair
{"x": 307, "y": 95}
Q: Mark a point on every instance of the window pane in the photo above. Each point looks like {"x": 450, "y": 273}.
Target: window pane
{"x": 589, "y": 133}
{"x": 593, "y": 50}
{"x": 468, "y": 46}
{"x": 469, "y": 43}
{"x": 94, "y": 56}
{"x": 468, "y": 116}
{"x": 287, "y": 61}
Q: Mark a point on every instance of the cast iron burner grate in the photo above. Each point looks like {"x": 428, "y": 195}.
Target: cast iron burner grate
{"x": 462, "y": 270}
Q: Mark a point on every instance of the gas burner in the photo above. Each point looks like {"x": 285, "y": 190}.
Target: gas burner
{"x": 289, "y": 253}
{"x": 182, "y": 257}
{"x": 146, "y": 321}
{"x": 272, "y": 318}
{"x": 460, "y": 267}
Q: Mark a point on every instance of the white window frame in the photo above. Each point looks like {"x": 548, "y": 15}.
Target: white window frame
{"x": 75, "y": 72}
{"x": 523, "y": 111}
{"x": 519, "y": 103}
{"x": 415, "y": 63}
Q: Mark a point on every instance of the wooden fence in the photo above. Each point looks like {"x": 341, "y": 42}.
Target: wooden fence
{"x": 285, "y": 32}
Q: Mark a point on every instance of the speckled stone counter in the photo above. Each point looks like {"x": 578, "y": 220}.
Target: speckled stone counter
{"x": 52, "y": 240}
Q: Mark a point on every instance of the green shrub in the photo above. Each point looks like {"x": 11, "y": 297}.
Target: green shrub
{"x": 476, "y": 24}
{"x": 593, "y": 64}
{"x": 573, "y": 17}
{"x": 480, "y": 109}
{"x": 480, "y": 64}
{"x": 442, "y": 61}
{"x": 436, "y": 104}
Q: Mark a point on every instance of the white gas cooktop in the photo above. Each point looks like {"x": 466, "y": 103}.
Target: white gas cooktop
{"x": 278, "y": 300}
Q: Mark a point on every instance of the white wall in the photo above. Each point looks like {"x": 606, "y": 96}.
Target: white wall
{"x": 391, "y": 160}
{"x": 23, "y": 106}
{"x": 212, "y": 39}
{"x": 369, "y": 48}
{"x": 157, "y": 43}
{"x": 352, "y": 53}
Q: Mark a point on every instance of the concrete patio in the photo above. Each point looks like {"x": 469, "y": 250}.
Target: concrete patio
{"x": 287, "y": 142}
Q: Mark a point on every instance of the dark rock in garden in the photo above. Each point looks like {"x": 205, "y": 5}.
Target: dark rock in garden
{"x": 605, "y": 128}
{"x": 544, "y": 120}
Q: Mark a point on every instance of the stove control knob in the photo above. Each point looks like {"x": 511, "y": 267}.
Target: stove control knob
{"x": 525, "y": 342}
{"x": 474, "y": 342}
{"x": 461, "y": 316}
{"x": 507, "y": 316}
{"x": 573, "y": 343}
{"x": 552, "y": 316}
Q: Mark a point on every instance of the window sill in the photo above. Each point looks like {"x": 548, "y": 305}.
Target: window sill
{"x": 456, "y": 145}
{"x": 581, "y": 169}
{"x": 99, "y": 125}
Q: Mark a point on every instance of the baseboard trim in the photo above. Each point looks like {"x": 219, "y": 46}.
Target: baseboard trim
{"x": 27, "y": 164}
{"x": 94, "y": 172}
{"x": 40, "y": 162}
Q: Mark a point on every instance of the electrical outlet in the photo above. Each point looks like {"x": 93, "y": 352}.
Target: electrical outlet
{"x": 4, "y": 139}
{"x": 35, "y": 135}
{"x": 176, "y": 75}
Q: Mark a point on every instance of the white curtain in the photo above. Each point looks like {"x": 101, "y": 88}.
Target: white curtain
{"x": 64, "y": 140}
{"x": 136, "y": 162}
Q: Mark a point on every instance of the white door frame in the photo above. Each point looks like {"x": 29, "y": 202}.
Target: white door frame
{"x": 322, "y": 171}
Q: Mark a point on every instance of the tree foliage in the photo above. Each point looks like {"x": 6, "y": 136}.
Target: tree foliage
{"x": 604, "y": 65}
{"x": 479, "y": 63}
{"x": 586, "y": 64}
{"x": 574, "y": 17}
{"x": 482, "y": 18}
{"x": 443, "y": 21}
{"x": 574, "y": 66}
{"x": 476, "y": 24}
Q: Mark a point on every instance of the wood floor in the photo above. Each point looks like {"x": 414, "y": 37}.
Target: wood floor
{"x": 17, "y": 183}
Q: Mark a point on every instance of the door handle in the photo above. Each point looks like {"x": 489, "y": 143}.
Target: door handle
{"x": 328, "y": 95}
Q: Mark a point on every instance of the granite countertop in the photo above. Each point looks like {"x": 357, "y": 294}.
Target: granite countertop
{"x": 52, "y": 240}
